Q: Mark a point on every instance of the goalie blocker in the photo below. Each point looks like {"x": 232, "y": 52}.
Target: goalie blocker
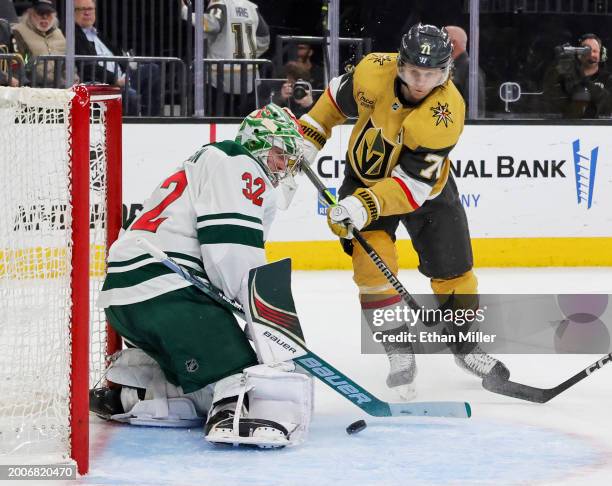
{"x": 264, "y": 405}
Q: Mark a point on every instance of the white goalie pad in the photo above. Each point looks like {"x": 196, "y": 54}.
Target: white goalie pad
{"x": 280, "y": 407}
{"x": 178, "y": 412}
{"x": 165, "y": 405}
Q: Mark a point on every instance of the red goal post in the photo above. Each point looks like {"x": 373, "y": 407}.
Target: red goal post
{"x": 60, "y": 209}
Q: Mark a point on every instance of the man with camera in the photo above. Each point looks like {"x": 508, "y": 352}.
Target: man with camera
{"x": 296, "y": 92}
{"x": 577, "y": 86}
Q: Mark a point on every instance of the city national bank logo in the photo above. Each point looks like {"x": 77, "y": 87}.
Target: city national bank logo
{"x": 322, "y": 205}
{"x": 584, "y": 168}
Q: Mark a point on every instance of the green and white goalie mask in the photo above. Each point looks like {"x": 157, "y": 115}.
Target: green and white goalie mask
{"x": 275, "y": 127}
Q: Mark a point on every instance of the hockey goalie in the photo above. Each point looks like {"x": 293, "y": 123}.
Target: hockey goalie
{"x": 188, "y": 362}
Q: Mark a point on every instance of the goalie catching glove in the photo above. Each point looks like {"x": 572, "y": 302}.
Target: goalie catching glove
{"x": 358, "y": 211}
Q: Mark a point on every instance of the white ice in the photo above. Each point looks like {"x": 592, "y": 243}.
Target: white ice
{"x": 507, "y": 441}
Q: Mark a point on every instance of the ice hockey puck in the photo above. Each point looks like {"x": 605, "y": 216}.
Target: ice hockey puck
{"x": 356, "y": 427}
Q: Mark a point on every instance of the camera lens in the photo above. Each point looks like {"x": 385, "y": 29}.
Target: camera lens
{"x": 299, "y": 92}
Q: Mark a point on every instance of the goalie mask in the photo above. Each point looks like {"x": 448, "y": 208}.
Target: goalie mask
{"x": 273, "y": 136}
{"x": 424, "y": 59}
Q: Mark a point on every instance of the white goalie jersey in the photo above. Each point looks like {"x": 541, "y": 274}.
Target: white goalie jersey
{"x": 212, "y": 215}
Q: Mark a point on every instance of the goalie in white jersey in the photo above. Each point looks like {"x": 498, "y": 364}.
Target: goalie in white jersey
{"x": 189, "y": 358}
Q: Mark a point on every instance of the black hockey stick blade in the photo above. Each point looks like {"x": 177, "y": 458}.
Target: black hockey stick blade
{"x": 540, "y": 395}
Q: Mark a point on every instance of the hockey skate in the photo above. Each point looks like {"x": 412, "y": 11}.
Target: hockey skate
{"x": 402, "y": 372}
{"x": 477, "y": 362}
{"x": 252, "y": 432}
{"x": 105, "y": 402}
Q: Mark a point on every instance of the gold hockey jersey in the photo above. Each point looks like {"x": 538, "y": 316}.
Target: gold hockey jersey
{"x": 397, "y": 149}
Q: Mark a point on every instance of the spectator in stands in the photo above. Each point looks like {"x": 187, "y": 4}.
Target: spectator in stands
{"x": 296, "y": 92}
{"x": 460, "y": 73}
{"x": 7, "y": 11}
{"x": 315, "y": 74}
{"x": 578, "y": 85}
{"x": 38, "y": 34}
{"x": 8, "y": 77}
{"x": 234, "y": 29}
{"x": 141, "y": 86}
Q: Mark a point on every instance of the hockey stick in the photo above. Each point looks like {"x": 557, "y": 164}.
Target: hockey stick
{"x": 540, "y": 395}
{"x": 317, "y": 366}
{"x": 374, "y": 256}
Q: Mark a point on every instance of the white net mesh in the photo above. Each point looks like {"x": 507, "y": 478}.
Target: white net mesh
{"x": 35, "y": 265}
{"x": 98, "y": 241}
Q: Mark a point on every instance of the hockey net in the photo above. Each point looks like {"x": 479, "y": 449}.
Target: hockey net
{"x": 60, "y": 208}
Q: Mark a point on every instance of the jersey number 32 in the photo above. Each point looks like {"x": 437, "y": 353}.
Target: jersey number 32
{"x": 254, "y": 188}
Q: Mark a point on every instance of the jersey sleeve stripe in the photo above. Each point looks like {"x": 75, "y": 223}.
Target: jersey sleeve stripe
{"x": 142, "y": 260}
{"x": 231, "y": 222}
{"x": 131, "y": 278}
{"x": 331, "y": 97}
{"x": 394, "y": 299}
{"x": 131, "y": 261}
{"x": 245, "y": 217}
{"x": 340, "y": 92}
{"x": 228, "y": 233}
{"x": 418, "y": 190}
{"x": 189, "y": 258}
{"x": 407, "y": 192}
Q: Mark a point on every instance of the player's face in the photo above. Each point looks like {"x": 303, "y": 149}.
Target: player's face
{"x": 419, "y": 81}
{"x": 276, "y": 160}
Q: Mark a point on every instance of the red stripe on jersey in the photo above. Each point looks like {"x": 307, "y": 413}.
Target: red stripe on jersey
{"x": 407, "y": 192}
{"x": 394, "y": 299}
{"x": 213, "y": 132}
{"x": 334, "y": 103}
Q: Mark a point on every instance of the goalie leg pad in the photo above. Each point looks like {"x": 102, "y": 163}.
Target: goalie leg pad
{"x": 280, "y": 405}
{"x": 165, "y": 405}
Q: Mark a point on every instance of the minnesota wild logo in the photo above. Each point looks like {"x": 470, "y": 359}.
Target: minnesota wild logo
{"x": 442, "y": 114}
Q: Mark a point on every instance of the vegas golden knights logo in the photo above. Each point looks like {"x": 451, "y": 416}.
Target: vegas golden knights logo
{"x": 371, "y": 152}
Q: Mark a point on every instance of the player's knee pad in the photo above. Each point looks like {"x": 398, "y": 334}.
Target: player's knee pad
{"x": 367, "y": 276}
{"x": 265, "y": 406}
{"x": 164, "y": 404}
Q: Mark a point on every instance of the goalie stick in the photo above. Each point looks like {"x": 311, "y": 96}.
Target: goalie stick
{"x": 374, "y": 256}
{"x": 317, "y": 366}
{"x": 540, "y": 395}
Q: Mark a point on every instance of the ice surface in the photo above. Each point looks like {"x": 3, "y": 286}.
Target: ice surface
{"x": 566, "y": 441}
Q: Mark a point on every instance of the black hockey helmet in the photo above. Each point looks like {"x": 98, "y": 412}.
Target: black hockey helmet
{"x": 426, "y": 46}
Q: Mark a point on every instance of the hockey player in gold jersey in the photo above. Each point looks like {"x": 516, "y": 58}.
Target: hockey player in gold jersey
{"x": 409, "y": 117}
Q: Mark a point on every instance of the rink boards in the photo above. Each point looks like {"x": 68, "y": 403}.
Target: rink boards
{"x": 534, "y": 195}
